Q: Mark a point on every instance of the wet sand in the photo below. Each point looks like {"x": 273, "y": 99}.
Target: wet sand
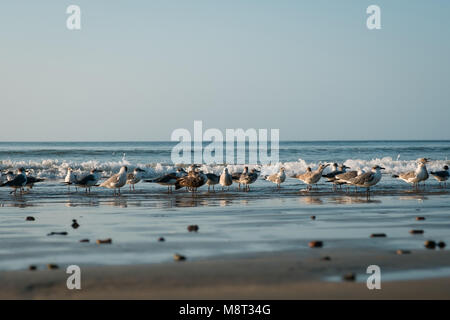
{"x": 282, "y": 275}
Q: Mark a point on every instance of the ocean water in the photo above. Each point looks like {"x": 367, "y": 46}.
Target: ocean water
{"x": 51, "y": 159}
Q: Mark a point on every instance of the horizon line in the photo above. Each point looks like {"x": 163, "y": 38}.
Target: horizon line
{"x": 165, "y": 141}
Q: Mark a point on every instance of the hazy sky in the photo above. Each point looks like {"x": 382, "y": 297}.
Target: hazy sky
{"x": 137, "y": 70}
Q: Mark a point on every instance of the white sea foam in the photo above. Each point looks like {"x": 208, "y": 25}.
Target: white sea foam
{"x": 55, "y": 169}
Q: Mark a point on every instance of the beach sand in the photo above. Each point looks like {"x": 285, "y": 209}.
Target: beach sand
{"x": 285, "y": 275}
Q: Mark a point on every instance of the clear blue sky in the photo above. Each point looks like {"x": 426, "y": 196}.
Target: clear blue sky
{"x": 139, "y": 69}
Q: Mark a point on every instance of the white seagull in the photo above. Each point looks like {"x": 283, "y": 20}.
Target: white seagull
{"x": 116, "y": 181}
{"x": 277, "y": 178}
{"x": 226, "y": 180}
{"x": 71, "y": 178}
{"x": 415, "y": 177}
{"x": 368, "y": 179}
{"x": 312, "y": 177}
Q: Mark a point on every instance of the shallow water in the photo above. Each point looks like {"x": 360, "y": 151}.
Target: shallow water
{"x": 230, "y": 223}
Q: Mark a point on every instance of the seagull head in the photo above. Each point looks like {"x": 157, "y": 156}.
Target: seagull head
{"x": 423, "y": 160}
{"x": 378, "y": 168}
{"x": 446, "y": 167}
{"x": 124, "y": 169}
{"x": 21, "y": 170}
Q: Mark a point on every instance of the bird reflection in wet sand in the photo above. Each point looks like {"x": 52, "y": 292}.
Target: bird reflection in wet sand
{"x": 117, "y": 202}
{"x": 351, "y": 200}
{"x": 310, "y": 200}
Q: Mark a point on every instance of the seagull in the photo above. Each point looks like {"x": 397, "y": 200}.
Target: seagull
{"x": 170, "y": 179}
{"x": 226, "y": 180}
{"x": 312, "y": 177}
{"x": 89, "y": 181}
{"x": 116, "y": 181}
{"x": 277, "y": 178}
{"x": 368, "y": 179}
{"x": 235, "y": 176}
{"x": 332, "y": 173}
{"x": 344, "y": 178}
{"x": 135, "y": 177}
{"x": 331, "y": 176}
{"x": 248, "y": 178}
{"x": 414, "y": 177}
{"x": 71, "y": 178}
{"x": 31, "y": 181}
{"x": 212, "y": 180}
{"x": 441, "y": 176}
{"x": 18, "y": 182}
{"x": 192, "y": 181}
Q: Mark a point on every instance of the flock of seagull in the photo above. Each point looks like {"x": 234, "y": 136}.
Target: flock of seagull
{"x": 195, "y": 178}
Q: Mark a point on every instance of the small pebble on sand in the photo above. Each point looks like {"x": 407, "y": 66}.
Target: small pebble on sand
{"x": 30, "y": 219}
{"x": 430, "y": 244}
{"x": 441, "y": 244}
{"x": 84, "y": 240}
{"x": 415, "y": 231}
{"x": 178, "y": 257}
{"x": 315, "y": 244}
{"x": 326, "y": 258}
{"x": 75, "y": 224}
{"x": 32, "y": 268}
{"x": 349, "y": 277}
{"x": 51, "y": 266}
{"x": 192, "y": 228}
{"x": 313, "y": 217}
{"x": 378, "y": 235}
{"x": 161, "y": 239}
{"x": 57, "y": 233}
{"x": 420, "y": 218}
{"x": 104, "y": 241}
{"x": 403, "y": 251}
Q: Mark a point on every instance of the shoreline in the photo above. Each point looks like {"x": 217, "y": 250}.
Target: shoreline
{"x": 282, "y": 275}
